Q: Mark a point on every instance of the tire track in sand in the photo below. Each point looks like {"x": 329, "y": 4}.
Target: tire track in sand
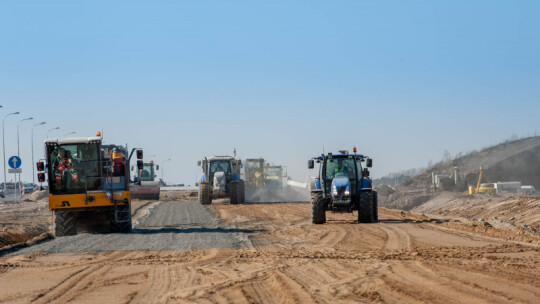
{"x": 396, "y": 238}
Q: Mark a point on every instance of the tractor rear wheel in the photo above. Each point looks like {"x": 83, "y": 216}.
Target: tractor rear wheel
{"x": 242, "y": 191}
{"x": 375, "y": 206}
{"x": 65, "y": 223}
{"x": 365, "y": 208}
{"x": 235, "y": 193}
{"x": 318, "y": 214}
{"x": 205, "y": 197}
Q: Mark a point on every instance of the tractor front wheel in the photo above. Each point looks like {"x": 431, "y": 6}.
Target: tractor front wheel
{"x": 64, "y": 223}
{"x": 205, "y": 197}
{"x": 318, "y": 214}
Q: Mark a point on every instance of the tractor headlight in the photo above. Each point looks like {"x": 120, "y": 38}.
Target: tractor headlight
{"x": 334, "y": 190}
{"x": 347, "y": 192}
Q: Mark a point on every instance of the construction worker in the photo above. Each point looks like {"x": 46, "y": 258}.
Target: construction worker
{"x": 64, "y": 165}
{"x": 341, "y": 168}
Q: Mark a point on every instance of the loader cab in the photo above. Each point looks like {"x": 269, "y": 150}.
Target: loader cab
{"x": 254, "y": 165}
{"x": 73, "y": 167}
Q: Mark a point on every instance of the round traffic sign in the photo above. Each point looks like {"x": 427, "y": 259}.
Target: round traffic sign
{"x": 14, "y": 162}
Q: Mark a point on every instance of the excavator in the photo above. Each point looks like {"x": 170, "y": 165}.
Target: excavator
{"x": 486, "y": 187}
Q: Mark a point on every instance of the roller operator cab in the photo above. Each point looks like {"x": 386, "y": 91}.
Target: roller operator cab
{"x": 147, "y": 187}
{"x": 88, "y": 181}
{"x": 220, "y": 179}
{"x": 343, "y": 185}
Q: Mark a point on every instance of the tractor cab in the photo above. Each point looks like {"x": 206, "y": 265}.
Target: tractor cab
{"x": 220, "y": 172}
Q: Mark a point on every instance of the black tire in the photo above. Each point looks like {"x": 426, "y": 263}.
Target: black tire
{"x": 242, "y": 191}
{"x": 65, "y": 223}
{"x": 318, "y": 214}
{"x": 235, "y": 193}
{"x": 121, "y": 226}
{"x": 375, "y": 206}
{"x": 204, "y": 194}
{"x": 365, "y": 208}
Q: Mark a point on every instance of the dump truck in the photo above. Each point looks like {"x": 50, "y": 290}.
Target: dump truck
{"x": 254, "y": 173}
{"x": 343, "y": 186}
{"x": 221, "y": 179}
{"x": 88, "y": 180}
{"x": 148, "y": 188}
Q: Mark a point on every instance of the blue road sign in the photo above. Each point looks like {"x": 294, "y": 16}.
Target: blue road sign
{"x": 14, "y": 162}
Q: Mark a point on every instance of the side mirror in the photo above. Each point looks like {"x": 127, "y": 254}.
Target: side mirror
{"x": 157, "y": 167}
{"x": 365, "y": 172}
{"x": 310, "y": 164}
{"x": 41, "y": 177}
{"x": 139, "y": 164}
{"x": 139, "y": 154}
{"x": 199, "y": 163}
{"x": 369, "y": 163}
{"x": 40, "y": 166}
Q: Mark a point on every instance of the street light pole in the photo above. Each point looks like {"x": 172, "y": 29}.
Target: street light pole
{"x": 33, "y": 165}
{"x": 162, "y": 167}
{"x": 51, "y": 130}
{"x": 18, "y": 126}
{"x": 4, "y": 147}
{"x": 18, "y": 146}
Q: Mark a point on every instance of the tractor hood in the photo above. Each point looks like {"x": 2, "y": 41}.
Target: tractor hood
{"x": 340, "y": 181}
{"x": 341, "y": 186}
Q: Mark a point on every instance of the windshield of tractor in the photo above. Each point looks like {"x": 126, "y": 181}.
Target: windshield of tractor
{"x": 73, "y": 168}
{"x": 147, "y": 173}
{"x": 340, "y": 167}
{"x": 220, "y": 165}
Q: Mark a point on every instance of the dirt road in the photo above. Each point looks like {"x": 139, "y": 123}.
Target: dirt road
{"x": 405, "y": 258}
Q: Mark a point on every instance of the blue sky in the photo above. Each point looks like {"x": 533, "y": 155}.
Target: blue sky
{"x": 402, "y": 80}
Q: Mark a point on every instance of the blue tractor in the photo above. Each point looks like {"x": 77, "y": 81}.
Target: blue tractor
{"x": 221, "y": 179}
{"x": 343, "y": 186}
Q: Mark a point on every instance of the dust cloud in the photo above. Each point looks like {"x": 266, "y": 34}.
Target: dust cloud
{"x": 288, "y": 194}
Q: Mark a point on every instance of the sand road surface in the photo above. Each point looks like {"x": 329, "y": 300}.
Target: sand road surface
{"x": 273, "y": 254}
